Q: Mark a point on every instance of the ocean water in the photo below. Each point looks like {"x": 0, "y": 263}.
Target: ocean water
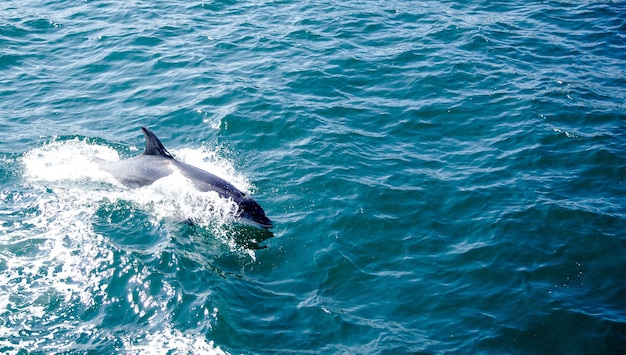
{"x": 443, "y": 177}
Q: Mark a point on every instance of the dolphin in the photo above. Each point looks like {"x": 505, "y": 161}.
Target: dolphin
{"x": 156, "y": 162}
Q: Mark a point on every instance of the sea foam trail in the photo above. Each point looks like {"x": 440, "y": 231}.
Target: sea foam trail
{"x": 55, "y": 260}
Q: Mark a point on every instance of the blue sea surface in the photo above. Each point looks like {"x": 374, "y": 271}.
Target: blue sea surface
{"x": 443, "y": 177}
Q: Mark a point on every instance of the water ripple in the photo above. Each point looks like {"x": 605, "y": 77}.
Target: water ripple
{"x": 444, "y": 176}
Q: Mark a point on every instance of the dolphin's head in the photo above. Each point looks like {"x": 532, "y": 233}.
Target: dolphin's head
{"x": 251, "y": 212}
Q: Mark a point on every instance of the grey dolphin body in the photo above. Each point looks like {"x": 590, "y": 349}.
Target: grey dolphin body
{"x": 156, "y": 162}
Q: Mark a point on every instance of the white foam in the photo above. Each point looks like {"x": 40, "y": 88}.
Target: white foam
{"x": 68, "y": 260}
{"x": 171, "y": 341}
{"x": 67, "y": 161}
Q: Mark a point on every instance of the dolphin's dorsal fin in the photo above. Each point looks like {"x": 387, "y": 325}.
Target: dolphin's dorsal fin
{"x": 153, "y": 145}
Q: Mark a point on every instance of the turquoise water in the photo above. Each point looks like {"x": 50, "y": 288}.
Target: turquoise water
{"x": 443, "y": 176}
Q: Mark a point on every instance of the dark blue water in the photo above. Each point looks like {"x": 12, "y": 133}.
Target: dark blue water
{"x": 442, "y": 176}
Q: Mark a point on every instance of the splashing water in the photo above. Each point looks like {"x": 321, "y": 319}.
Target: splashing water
{"x": 54, "y": 259}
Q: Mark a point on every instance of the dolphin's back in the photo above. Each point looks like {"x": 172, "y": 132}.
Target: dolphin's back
{"x": 202, "y": 180}
{"x": 205, "y": 181}
{"x": 156, "y": 163}
{"x": 139, "y": 171}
